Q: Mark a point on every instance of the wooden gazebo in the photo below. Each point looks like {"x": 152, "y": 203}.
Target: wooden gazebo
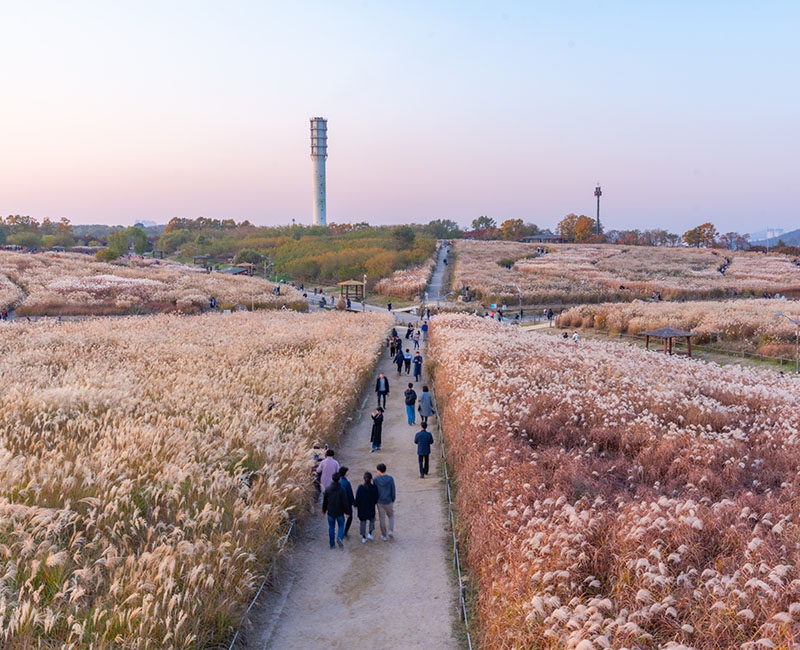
{"x": 353, "y": 287}
{"x": 668, "y": 334}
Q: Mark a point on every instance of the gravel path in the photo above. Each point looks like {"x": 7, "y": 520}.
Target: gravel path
{"x": 398, "y": 594}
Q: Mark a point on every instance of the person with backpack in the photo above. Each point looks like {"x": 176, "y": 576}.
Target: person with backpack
{"x": 333, "y": 505}
{"x": 411, "y": 400}
{"x": 349, "y": 498}
{"x": 417, "y": 361}
{"x": 377, "y": 429}
{"x": 425, "y": 405}
{"x": 366, "y": 498}
{"x": 423, "y": 440}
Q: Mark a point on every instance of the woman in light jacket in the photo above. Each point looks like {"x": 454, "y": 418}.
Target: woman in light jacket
{"x": 426, "y": 405}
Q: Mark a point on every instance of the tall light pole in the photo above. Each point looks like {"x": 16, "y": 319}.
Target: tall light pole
{"x": 598, "y": 193}
{"x": 796, "y": 339}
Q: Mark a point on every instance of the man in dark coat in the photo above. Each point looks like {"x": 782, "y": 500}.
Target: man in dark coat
{"x": 423, "y": 440}
{"x": 333, "y": 504}
{"x": 382, "y": 389}
{"x": 398, "y": 360}
{"x": 350, "y": 499}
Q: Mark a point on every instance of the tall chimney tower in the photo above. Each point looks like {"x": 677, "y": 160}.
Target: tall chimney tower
{"x": 319, "y": 153}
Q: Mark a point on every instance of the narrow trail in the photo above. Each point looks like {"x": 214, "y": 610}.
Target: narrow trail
{"x": 398, "y": 594}
{"x": 435, "y": 289}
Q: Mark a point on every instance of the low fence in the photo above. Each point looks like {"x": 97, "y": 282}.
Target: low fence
{"x": 462, "y": 588}
{"x": 284, "y": 542}
{"x": 702, "y": 347}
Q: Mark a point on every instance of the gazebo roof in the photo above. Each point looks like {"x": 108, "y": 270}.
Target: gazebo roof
{"x": 667, "y": 333}
{"x": 350, "y": 283}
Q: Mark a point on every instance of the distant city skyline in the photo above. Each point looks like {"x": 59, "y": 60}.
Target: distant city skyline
{"x": 683, "y": 112}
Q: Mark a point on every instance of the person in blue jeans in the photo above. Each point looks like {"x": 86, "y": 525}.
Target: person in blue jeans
{"x": 411, "y": 400}
{"x": 334, "y": 504}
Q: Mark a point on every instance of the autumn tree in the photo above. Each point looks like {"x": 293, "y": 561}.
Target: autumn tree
{"x": 512, "y": 229}
{"x": 734, "y": 241}
{"x": 703, "y": 235}
{"x": 584, "y": 228}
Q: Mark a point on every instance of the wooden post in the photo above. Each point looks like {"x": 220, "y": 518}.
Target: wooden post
{"x": 665, "y": 346}
{"x": 647, "y": 341}
{"x": 689, "y": 344}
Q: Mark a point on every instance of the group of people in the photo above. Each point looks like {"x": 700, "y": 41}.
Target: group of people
{"x": 375, "y": 496}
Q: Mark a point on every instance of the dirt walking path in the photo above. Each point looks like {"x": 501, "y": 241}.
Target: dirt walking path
{"x": 380, "y": 595}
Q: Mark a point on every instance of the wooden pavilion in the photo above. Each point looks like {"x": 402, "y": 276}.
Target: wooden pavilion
{"x": 353, "y": 287}
{"x": 668, "y": 334}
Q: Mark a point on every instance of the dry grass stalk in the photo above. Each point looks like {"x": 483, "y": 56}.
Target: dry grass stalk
{"x": 148, "y": 467}
{"x": 615, "y": 498}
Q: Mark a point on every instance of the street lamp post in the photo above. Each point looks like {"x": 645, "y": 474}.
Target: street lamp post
{"x": 796, "y": 340}
{"x": 519, "y": 292}
{"x": 598, "y": 193}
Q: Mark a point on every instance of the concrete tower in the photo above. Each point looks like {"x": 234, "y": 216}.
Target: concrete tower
{"x": 319, "y": 153}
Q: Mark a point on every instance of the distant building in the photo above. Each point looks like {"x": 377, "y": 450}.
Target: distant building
{"x": 542, "y": 239}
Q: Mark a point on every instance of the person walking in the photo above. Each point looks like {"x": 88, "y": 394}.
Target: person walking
{"x": 425, "y": 405}
{"x": 389, "y": 306}
{"x": 411, "y": 400}
{"x": 382, "y": 389}
{"x": 399, "y": 359}
{"x": 423, "y": 440}
{"x": 366, "y": 498}
{"x": 377, "y": 429}
{"x": 333, "y": 505}
{"x": 407, "y": 362}
{"x": 409, "y": 331}
{"x": 425, "y": 331}
{"x": 417, "y": 361}
{"x": 349, "y": 498}
{"x": 386, "y": 498}
{"x": 417, "y": 336}
{"x": 327, "y": 468}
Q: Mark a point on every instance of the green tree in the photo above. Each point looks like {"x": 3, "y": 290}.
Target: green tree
{"x": 483, "y": 222}
{"x": 403, "y": 237}
{"x": 3, "y": 237}
{"x": 248, "y": 256}
{"x": 566, "y": 227}
{"x": 442, "y": 229}
{"x": 26, "y": 239}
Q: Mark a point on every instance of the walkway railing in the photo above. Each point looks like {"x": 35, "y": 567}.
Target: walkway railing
{"x": 462, "y": 588}
{"x": 268, "y": 575}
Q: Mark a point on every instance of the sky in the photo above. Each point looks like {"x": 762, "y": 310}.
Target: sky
{"x": 113, "y": 112}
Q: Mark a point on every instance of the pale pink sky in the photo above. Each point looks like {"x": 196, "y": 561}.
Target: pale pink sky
{"x": 116, "y": 112}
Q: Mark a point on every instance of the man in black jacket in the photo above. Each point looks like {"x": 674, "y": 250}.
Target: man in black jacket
{"x": 382, "y": 388}
{"x": 334, "y": 504}
{"x": 411, "y": 400}
{"x": 423, "y": 440}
